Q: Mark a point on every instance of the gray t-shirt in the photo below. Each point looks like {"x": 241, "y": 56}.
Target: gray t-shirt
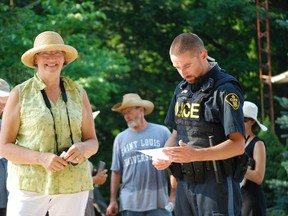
{"x": 143, "y": 186}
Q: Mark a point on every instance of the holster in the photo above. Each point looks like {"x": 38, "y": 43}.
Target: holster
{"x": 227, "y": 166}
{"x": 199, "y": 171}
{"x": 194, "y": 171}
{"x": 189, "y": 172}
{"x": 241, "y": 165}
{"x": 176, "y": 170}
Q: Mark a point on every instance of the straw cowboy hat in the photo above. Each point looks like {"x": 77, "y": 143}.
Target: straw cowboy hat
{"x": 133, "y": 100}
{"x": 48, "y": 41}
{"x": 4, "y": 88}
{"x": 250, "y": 110}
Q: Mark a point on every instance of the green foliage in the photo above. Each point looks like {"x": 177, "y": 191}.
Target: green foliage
{"x": 13, "y": 43}
{"x": 79, "y": 25}
{"x": 282, "y": 121}
{"x": 273, "y": 162}
{"x": 277, "y": 160}
{"x": 280, "y": 188}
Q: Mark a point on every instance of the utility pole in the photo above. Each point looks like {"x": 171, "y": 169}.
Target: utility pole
{"x": 263, "y": 36}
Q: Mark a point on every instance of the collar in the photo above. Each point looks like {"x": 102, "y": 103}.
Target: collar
{"x": 39, "y": 84}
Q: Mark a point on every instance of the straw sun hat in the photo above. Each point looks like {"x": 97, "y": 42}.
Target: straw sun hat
{"x": 48, "y": 41}
{"x": 250, "y": 110}
{"x": 4, "y": 88}
{"x": 133, "y": 100}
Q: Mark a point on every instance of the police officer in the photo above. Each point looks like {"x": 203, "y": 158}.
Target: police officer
{"x": 207, "y": 103}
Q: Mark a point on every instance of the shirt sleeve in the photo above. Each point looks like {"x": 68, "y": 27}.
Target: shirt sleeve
{"x": 116, "y": 156}
{"x": 230, "y": 101}
{"x": 170, "y": 116}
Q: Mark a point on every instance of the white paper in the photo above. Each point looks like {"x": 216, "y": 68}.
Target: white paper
{"x": 155, "y": 153}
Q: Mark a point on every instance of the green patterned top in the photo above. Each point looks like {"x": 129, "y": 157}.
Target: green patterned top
{"x": 36, "y": 132}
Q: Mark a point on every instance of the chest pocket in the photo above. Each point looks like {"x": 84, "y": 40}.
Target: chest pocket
{"x": 189, "y": 106}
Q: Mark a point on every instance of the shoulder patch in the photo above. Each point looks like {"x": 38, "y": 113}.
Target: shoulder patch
{"x": 233, "y": 100}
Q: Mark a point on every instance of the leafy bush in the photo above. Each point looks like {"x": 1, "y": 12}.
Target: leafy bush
{"x": 276, "y": 184}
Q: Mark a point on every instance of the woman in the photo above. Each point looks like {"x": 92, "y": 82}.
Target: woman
{"x": 99, "y": 177}
{"x": 47, "y": 135}
{"x": 252, "y": 191}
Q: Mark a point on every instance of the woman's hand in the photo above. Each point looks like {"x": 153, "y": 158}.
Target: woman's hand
{"x": 52, "y": 162}
{"x": 75, "y": 154}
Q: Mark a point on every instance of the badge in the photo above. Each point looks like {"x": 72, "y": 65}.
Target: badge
{"x": 233, "y": 100}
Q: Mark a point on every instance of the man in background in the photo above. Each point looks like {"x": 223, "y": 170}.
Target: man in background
{"x": 144, "y": 190}
{"x": 4, "y": 93}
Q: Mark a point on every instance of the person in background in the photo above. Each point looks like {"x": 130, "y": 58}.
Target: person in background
{"x": 48, "y": 135}
{"x": 208, "y": 132}
{"x": 99, "y": 177}
{"x": 4, "y": 93}
{"x": 144, "y": 190}
{"x": 252, "y": 192}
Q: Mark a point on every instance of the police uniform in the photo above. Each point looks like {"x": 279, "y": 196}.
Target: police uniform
{"x": 212, "y": 107}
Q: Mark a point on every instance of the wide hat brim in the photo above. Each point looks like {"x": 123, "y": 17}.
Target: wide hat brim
{"x": 262, "y": 127}
{"x": 70, "y": 53}
{"x": 250, "y": 110}
{"x": 148, "y": 105}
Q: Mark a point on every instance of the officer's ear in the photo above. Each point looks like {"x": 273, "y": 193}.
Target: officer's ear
{"x": 203, "y": 54}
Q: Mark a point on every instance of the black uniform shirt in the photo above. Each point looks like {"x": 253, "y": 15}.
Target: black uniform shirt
{"x": 224, "y": 106}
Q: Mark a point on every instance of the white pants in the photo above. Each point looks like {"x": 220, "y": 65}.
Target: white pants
{"x": 23, "y": 203}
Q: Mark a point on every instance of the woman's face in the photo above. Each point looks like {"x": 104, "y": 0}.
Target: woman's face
{"x": 50, "y": 62}
{"x": 248, "y": 122}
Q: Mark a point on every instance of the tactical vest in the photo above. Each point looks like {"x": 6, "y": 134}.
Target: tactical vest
{"x": 189, "y": 117}
{"x": 192, "y": 127}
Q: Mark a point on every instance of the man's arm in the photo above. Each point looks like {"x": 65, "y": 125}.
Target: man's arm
{"x": 173, "y": 185}
{"x": 114, "y": 186}
{"x": 171, "y": 141}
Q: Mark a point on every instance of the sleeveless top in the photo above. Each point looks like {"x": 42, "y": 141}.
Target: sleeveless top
{"x": 36, "y": 132}
{"x": 255, "y": 191}
{"x": 250, "y": 185}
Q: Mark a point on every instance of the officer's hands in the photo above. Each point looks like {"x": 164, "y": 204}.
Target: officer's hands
{"x": 160, "y": 164}
{"x": 182, "y": 153}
